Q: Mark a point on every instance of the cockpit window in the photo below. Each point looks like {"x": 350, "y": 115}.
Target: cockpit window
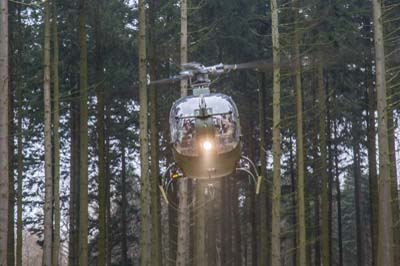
{"x": 225, "y": 121}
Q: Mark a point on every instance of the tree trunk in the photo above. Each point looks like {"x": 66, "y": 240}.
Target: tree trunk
{"x": 372, "y": 171}
{"x": 385, "y": 232}
{"x": 124, "y": 205}
{"x": 4, "y": 153}
{"x": 301, "y": 216}
{"x": 200, "y": 225}
{"x": 211, "y": 227}
{"x": 48, "y": 221}
{"x": 393, "y": 176}
{"x": 11, "y": 188}
{"x": 182, "y": 254}
{"x": 293, "y": 219}
{"x": 56, "y": 140}
{"x": 107, "y": 173}
{"x": 276, "y": 148}
{"x": 338, "y": 198}
{"x": 99, "y": 72}
{"x": 83, "y": 136}
{"x": 236, "y": 222}
{"x": 19, "y": 144}
{"x": 263, "y": 164}
{"x": 74, "y": 184}
{"x": 325, "y": 249}
{"x": 358, "y": 201}
{"x": 145, "y": 241}
{"x": 155, "y": 171}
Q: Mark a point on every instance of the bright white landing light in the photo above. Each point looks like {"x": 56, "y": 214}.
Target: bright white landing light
{"x": 207, "y": 145}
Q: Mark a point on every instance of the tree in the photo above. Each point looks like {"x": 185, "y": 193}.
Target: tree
{"x": 301, "y": 218}
{"x": 325, "y": 247}
{"x": 155, "y": 171}
{"x": 182, "y": 254}
{"x": 83, "y": 137}
{"x": 19, "y": 143}
{"x": 145, "y": 241}
{"x": 56, "y": 141}
{"x": 385, "y": 234}
{"x": 276, "y": 148}
{"x": 4, "y": 153}
{"x": 48, "y": 205}
{"x": 99, "y": 72}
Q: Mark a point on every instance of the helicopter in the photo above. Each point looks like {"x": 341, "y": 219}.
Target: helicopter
{"x": 205, "y": 127}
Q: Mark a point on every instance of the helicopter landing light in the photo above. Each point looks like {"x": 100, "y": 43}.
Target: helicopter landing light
{"x": 207, "y": 145}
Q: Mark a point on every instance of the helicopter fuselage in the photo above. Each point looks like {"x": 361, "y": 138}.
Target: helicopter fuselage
{"x": 205, "y": 133}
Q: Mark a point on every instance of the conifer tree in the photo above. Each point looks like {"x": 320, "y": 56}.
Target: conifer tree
{"x": 4, "y": 153}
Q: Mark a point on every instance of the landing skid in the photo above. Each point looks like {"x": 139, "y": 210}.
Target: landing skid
{"x": 173, "y": 173}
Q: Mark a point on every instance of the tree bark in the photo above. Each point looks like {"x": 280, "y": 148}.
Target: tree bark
{"x": 19, "y": 144}
{"x": 48, "y": 221}
{"x": 263, "y": 164}
{"x": 276, "y": 148}
{"x": 338, "y": 198}
{"x": 155, "y": 171}
{"x": 182, "y": 254}
{"x": 4, "y": 134}
{"x": 393, "y": 175}
{"x": 124, "y": 205}
{"x": 56, "y": 140}
{"x": 74, "y": 185}
{"x": 372, "y": 171}
{"x": 83, "y": 137}
{"x": 200, "y": 225}
{"x": 99, "y": 72}
{"x": 325, "y": 248}
{"x": 358, "y": 201}
{"x": 301, "y": 216}
{"x": 385, "y": 232}
{"x": 145, "y": 241}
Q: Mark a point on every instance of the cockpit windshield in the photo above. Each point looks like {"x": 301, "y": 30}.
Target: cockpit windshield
{"x": 225, "y": 122}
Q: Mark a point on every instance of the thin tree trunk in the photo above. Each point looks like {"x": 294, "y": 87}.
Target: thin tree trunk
{"x": 99, "y": 72}
{"x": 200, "y": 225}
{"x": 236, "y": 229}
{"x": 83, "y": 136}
{"x": 293, "y": 257}
{"x": 358, "y": 201}
{"x": 19, "y": 144}
{"x": 107, "y": 174}
{"x": 48, "y": 221}
{"x": 145, "y": 241}
{"x": 172, "y": 228}
{"x": 317, "y": 185}
{"x": 276, "y": 148}
{"x": 372, "y": 171}
{"x": 124, "y": 205}
{"x": 56, "y": 140}
{"x": 74, "y": 184}
{"x": 211, "y": 227}
{"x": 263, "y": 164}
{"x": 11, "y": 188}
{"x": 4, "y": 134}
{"x": 338, "y": 198}
{"x": 182, "y": 254}
{"x": 385, "y": 232}
{"x": 155, "y": 171}
{"x": 301, "y": 216}
{"x": 323, "y": 166}
{"x": 393, "y": 176}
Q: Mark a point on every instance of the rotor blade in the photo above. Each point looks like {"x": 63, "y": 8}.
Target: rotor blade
{"x": 261, "y": 65}
{"x": 169, "y": 80}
